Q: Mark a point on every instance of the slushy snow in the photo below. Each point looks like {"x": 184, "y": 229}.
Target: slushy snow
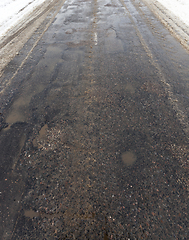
{"x": 12, "y": 11}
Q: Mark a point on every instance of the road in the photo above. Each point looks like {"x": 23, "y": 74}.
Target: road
{"x": 94, "y": 128}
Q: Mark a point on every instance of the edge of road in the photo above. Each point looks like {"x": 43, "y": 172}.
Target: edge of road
{"x": 16, "y": 37}
{"x": 23, "y": 23}
{"x": 177, "y": 28}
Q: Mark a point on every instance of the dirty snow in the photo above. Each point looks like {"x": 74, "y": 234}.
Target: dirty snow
{"x": 12, "y": 11}
{"x": 180, "y": 8}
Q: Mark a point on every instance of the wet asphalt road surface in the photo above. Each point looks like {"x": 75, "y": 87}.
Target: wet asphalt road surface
{"x": 94, "y": 131}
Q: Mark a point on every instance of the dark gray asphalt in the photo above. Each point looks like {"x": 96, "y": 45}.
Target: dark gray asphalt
{"x": 94, "y": 128}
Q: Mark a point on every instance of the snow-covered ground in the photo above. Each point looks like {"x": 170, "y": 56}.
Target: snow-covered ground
{"x": 12, "y": 11}
{"x": 179, "y": 8}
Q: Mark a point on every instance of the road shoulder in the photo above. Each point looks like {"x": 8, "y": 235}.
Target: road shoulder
{"x": 177, "y": 28}
{"x": 12, "y": 43}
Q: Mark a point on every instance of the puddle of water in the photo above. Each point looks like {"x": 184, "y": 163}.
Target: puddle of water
{"x": 21, "y": 145}
{"x": 76, "y": 43}
{"x": 46, "y": 66}
{"x": 43, "y": 131}
{"x": 111, "y": 33}
{"x": 35, "y": 143}
{"x": 22, "y": 141}
{"x": 130, "y": 88}
{"x": 19, "y": 107}
{"x": 70, "y": 31}
{"x": 42, "y": 134}
{"x": 110, "y": 5}
{"x": 129, "y": 158}
{"x": 31, "y": 214}
{"x": 15, "y": 116}
{"x": 106, "y": 236}
{"x": 113, "y": 44}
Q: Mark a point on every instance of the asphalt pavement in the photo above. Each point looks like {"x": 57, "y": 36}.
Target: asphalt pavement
{"x": 94, "y": 128}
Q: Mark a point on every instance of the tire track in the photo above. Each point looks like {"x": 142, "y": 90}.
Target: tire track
{"x": 182, "y": 117}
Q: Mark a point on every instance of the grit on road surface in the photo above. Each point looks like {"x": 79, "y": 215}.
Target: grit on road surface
{"x": 94, "y": 130}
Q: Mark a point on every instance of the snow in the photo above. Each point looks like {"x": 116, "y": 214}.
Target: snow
{"x": 12, "y": 11}
{"x": 179, "y": 8}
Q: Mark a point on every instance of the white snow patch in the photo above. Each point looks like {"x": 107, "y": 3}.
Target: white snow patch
{"x": 179, "y": 8}
{"x": 12, "y": 11}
